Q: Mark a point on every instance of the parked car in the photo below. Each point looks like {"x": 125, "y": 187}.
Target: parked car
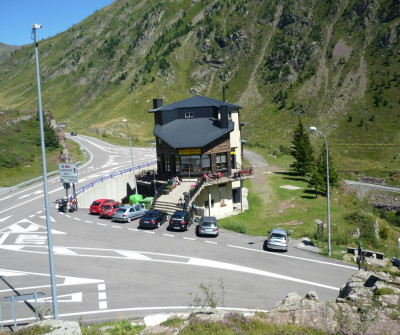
{"x": 208, "y": 226}
{"x": 153, "y": 219}
{"x": 128, "y": 213}
{"x": 74, "y": 133}
{"x": 109, "y": 208}
{"x": 181, "y": 220}
{"x": 95, "y": 207}
{"x": 278, "y": 239}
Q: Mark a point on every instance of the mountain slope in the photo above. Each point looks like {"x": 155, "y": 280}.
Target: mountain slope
{"x": 334, "y": 63}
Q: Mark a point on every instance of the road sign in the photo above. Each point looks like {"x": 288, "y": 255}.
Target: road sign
{"x": 68, "y": 173}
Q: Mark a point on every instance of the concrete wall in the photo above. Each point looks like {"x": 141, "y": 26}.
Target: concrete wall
{"x": 115, "y": 188}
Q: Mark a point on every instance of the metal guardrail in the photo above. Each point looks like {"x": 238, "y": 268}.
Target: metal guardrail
{"x": 9, "y": 189}
{"x": 388, "y": 188}
{"x": 82, "y": 189}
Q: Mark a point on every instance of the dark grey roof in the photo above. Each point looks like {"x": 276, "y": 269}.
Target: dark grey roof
{"x": 191, "y": 133}
{"x": 193, "y": 102}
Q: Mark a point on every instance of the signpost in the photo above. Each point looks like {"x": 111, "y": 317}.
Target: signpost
{"x": 68, "y": 173}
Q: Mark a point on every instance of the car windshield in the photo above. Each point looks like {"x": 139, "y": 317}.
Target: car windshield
{"x": 95, "y": 203}
{"x": 121, "y": 210}
{"x": 149, "y": 215}
{"x": 105, "y": 207}
{"x": 177, "y": 217}
{"x": 277, "y": 236}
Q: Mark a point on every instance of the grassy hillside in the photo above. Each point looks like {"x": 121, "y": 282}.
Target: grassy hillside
{"x": 335, "y": 64}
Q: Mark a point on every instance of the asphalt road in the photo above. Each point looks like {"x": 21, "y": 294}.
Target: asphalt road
{"x": 107, "y": 270}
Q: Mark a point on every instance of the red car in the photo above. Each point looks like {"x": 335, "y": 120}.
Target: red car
{"x": 95, "y": 207}
{"x": 109, "y": 208}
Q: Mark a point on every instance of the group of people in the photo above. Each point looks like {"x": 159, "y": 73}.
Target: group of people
{"x": 208, "y": 176}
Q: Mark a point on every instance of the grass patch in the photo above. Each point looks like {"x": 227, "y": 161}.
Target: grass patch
{"x": 112, "y": 328}
{"x": 234, "y": 323}
{"x": 173, "y": 322}
{"x": 33, "y": 330}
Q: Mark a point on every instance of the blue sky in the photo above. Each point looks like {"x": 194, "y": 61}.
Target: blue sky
{"x": 56, "y": 16}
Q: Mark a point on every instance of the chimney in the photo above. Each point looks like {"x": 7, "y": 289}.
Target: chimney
{"x": 223, "y": 110}
{"x": 157, "y": 103}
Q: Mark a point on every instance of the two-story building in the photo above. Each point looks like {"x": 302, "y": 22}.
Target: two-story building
{"x": 198, "y": 136}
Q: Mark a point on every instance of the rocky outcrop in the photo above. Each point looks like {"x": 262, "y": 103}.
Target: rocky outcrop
{"x": 58, "y": 327}
{"x": 369, "y": 303}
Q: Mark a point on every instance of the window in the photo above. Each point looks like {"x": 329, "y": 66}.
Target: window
{"x": 167, "y": 163}
{"x": 221, "y": 161}
{"x": 178, "y": 163}
{"x": 205, "y": 163}
{"x": 189, "y": 114}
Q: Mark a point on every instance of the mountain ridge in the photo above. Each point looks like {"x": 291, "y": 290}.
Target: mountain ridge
{"x": 335, "y": 64}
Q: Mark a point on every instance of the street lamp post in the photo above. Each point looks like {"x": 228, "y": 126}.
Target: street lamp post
{"x": 44, "y": 170}
{"x": 327, "y": 188}
{"x": 130, "y": 145}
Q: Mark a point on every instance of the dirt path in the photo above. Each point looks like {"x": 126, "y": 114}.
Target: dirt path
{"x": 259, "y": 182}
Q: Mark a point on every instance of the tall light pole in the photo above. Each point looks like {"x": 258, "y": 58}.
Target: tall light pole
{"x": 327, "y": 188}
{"x": 130, "y": 145}
{"x": 46, "y": 194}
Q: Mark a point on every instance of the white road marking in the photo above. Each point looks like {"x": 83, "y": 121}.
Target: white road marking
{"x": 189, "y": 238}
{"x": 102, "y": 304}
{"x": 3, "y": 238}
{"x": 6, "y": 218}
{"x": 239, "y": 268}
{"x": 102, "y": 295}
{"x": 295, "y": 257}
{"x": 74, "y": 297}
{"x": 31, "y": 239}
{"x": 63, "y": 251}
{"x": 31, "y": 216}
{"x": 101, "y": 224}
{"x": 44, "y": 218}
{"x": 101, "y": 287}
{"x": 169, "y": 235}
{"x": 149, "y": 232}
{"x": 78, "y": 219}
{"x": 117, "y": 227}
{"x": 132, "y": 255}
{"x": 88, "y": 221}
{"x": 133, "y": 229}
{"x": 211, "y": 242}
{"x": 184, "y": 260}
{"x": 26, "y": 226}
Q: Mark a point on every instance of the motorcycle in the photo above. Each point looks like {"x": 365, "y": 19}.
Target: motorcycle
{"x": 62, "y": 205}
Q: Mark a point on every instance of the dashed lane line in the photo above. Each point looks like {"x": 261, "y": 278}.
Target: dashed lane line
{"x": 119, "y": 227}
{"x": 211, "y": 242}
{"x": 169, "y": 235}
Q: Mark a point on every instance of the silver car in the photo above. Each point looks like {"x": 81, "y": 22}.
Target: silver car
{"x": 128, "y": 213}
{"x": 208, "y": 226}
{"x": 278, "y": 239}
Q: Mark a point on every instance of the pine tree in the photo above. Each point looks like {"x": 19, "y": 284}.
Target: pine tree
{"x": 318, "y": 175}
{"x": 51, "y": 139}
{"x": 302, "y": 151}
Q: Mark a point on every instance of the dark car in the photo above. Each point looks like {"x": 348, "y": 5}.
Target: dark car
{"x": 208, "y": 226}
{"x": 74, "y": 133}
{"x": 153, "y": 219}
{"x": 180, "y": 220}
{"x": 95, "y": 207}
{"x": 278, "y": 239}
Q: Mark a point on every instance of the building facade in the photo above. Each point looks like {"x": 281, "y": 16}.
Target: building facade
{"x": 199, "y": 136}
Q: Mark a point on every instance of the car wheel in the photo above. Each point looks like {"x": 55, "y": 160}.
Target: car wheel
{"x": 129, "y": 219}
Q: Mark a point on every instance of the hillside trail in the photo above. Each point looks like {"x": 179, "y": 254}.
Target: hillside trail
{"x": 259, "y": 183}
